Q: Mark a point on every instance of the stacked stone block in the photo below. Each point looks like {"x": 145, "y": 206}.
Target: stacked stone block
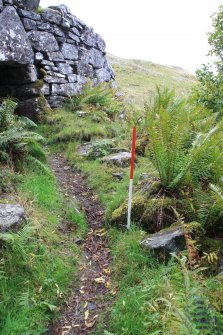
{"x": 53, "y": 48}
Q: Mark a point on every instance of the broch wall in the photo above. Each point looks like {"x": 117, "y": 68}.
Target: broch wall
{"x": 48, "y": 54}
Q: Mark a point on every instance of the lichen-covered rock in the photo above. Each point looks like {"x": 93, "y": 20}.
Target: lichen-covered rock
{"x": 120, "y": 159}
{"x": 96, "y": 58}
{"x": 55, "y": 56}
{"x": 43, "y": 41}
{"x": 10, "y": 216}
{"x": 30, "y": 15}
{"x": 102, "y": 75}
{"x": 69, "y": 51}
{"x": 168, "y": 240}
{"x": 27, "y": 4}
{"x": 100, "y": 43}
{"x": 64, "y": 68}
{"x": 52, "y": 16}
{"x": 96, "y": 149}
{"x": 29, "y": 24}
{"x": 14, "y": 43}
{"x": 66, "y": 89}
{"x": 63, "y": 9}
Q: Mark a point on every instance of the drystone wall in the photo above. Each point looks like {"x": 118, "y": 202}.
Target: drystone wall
{"x": 49, "y": 54}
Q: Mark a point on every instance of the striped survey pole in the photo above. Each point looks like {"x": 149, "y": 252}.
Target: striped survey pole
{"x": 131, "y": 177}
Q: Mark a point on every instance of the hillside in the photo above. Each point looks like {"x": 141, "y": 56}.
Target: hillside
{"x": 137, "y": 79}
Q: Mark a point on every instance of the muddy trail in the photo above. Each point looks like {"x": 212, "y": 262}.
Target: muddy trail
{"x": 87, "y": 299}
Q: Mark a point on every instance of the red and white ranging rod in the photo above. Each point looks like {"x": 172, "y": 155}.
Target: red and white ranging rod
{"x": 131, "y": 177}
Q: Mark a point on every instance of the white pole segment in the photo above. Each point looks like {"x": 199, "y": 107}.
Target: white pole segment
{"x": 130, "y": 203}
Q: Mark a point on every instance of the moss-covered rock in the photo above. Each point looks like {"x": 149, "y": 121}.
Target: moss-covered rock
{"x": 152, "y": 213}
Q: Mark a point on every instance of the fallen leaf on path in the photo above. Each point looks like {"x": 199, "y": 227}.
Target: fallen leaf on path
{"x": 81, "y": 290}
{"x": 90, "y": 324}
{"x": 100, "y": 280}
{"x": 100, "y": 213}
{"x": 107, "y": 271}
{"x": 65, "y": 330}
{"x": 108, "y": 284}
{"x": 86, "y": 314}
{"x": 113, "y": 292}
{"x": 100, "y": 232}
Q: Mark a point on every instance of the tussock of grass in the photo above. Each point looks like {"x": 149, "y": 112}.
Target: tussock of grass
{"x": 70, "y": 127}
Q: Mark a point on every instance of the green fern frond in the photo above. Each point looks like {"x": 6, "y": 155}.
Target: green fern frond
{"x": 24, "y": 299}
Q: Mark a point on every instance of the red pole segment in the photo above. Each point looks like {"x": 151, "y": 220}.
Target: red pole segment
{"x": 133, "y": 153}
{"x": 131, "y": 177}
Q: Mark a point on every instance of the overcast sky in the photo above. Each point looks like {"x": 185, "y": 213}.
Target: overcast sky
{"x": 169, "y": 32}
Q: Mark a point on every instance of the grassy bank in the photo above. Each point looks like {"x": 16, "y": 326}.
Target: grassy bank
{"x": 137, "y": 79}
{"x": 39, "y": 262}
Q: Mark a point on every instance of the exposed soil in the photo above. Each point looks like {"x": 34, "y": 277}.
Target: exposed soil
{"x": 87, "y": 299}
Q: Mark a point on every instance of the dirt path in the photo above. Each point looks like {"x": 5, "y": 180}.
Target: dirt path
{"x": 88, "y": 297}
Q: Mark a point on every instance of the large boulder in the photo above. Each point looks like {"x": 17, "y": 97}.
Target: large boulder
{"x": 168, "y": 240}
{"x": 149, "y": 212}
{"x": 10, "y": 216}
{"x": 172, "y": 239}
{"x": 14, "y": 43}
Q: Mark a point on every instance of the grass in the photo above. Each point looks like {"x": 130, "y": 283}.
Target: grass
{"x": 38, "y": 263}
{"x": 138, "y": 79}
{"x": 76, "y": 128}
{"x": 111, "y": 192}
{"x": 153, "y": 297}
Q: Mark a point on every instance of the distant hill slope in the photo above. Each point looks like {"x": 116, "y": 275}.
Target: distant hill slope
{"x": 138, "y": 79}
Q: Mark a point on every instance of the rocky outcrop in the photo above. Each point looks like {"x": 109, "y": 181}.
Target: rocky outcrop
{"x": 48, "y": 54}
{"x": 10, "y": 216}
